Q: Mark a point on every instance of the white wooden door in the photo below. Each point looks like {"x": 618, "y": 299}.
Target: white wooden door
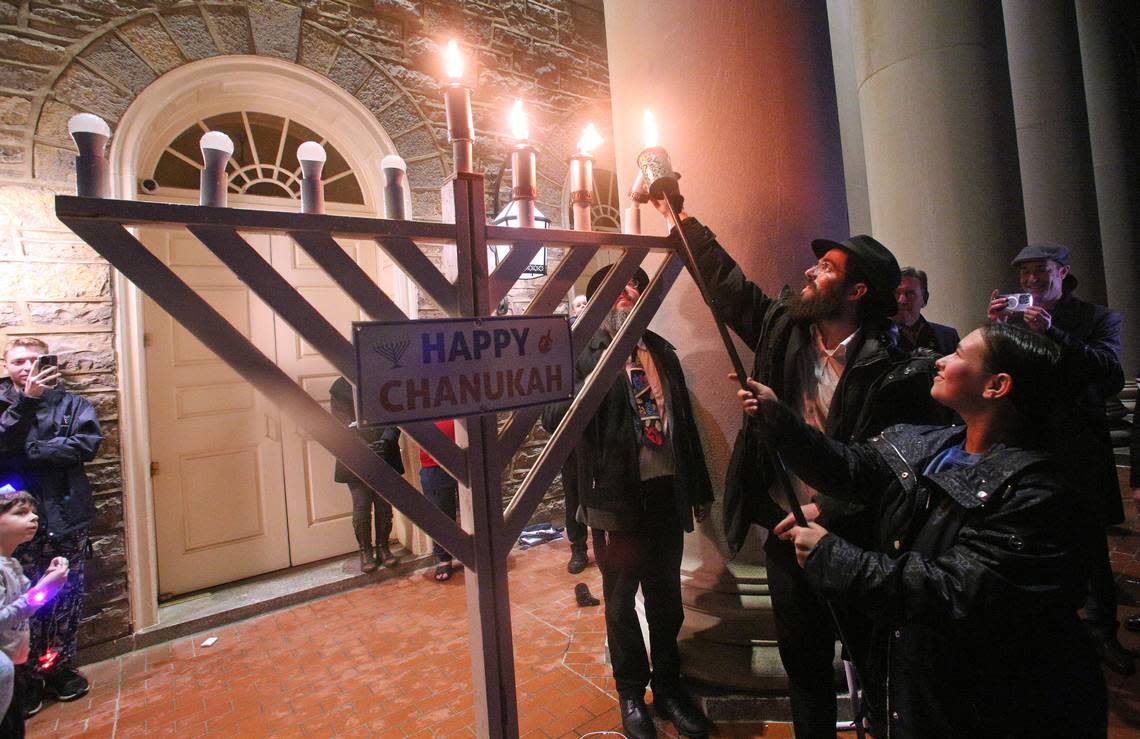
{"x": 216, "y": 447}
{"x": 320, "y": 510}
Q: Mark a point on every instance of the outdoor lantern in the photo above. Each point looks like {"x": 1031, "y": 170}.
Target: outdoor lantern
{"x": 509, "y": 216}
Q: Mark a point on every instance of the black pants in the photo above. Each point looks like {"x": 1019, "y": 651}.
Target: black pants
{"x": 650, "y": 558}
{"x": 806, "y": 636}
{"x": 576, "y": 531}
{"x": 365, "y": 502}
{"x": 1100, "y": 605}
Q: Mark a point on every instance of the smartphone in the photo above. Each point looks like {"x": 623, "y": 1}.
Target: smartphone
{"x": 47, "y": 360}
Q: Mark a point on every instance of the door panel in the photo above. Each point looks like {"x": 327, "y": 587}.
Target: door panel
{"x": 219, "y": 512}
{"x": 320, "y": 510}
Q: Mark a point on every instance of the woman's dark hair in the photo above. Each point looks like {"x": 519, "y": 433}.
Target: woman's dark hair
{"x": 1031, "y": 360}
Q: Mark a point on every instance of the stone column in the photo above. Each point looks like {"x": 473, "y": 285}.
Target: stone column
{"x": 941, "y": 151}
{"x": 745, "y": 100}
{"x": 850, "y": 120}
{"x": 1057, "y": 183}
{"x": 1112, "y": 136}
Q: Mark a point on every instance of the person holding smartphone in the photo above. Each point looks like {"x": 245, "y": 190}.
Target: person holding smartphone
{"x": 46, "y": 435}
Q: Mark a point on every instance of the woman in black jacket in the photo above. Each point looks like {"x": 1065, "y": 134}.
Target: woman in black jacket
{"x": 977, "y": 575}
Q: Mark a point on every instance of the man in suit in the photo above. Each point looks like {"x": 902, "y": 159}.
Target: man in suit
{"x": 914, "y": 331}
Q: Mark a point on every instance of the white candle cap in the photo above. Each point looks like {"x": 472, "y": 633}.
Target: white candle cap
{"x": 393, "y": 161}
{"x": 88, "y": 123}
{"x": 218, "y": 141}
{"x": 311, "y": 151}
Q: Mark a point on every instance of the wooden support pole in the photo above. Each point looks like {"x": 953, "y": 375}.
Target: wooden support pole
{"x": 488, "y": 598}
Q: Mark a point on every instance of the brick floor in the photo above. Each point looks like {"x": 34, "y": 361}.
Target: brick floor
{"x": 391, "y": 660}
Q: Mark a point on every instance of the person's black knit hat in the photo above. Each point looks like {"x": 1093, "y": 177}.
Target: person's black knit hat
{"x": 876, "y": 262}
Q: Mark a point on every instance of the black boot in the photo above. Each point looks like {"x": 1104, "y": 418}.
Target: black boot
{"x": 384, "y": 555}
{"x": 364, "y": 540}
{"x": 578, "y": 559}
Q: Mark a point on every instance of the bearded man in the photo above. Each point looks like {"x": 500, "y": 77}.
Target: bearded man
{"x": 642, "y": 481}
{"x": 827, "y": 349}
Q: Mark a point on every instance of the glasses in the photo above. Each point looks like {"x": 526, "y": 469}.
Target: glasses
{"x": 824, "y": 267}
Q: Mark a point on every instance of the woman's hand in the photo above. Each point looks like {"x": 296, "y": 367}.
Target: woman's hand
{"x": 783, "y": 529}
{"x": 806, "y": 539}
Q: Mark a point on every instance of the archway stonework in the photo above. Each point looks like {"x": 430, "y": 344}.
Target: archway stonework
{"x": 124, "y": 58}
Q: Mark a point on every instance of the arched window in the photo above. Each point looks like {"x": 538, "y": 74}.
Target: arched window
{"x": 264, "y": 160}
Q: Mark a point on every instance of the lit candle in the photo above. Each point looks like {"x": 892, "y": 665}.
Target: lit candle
{"x": 638, "y": 194}
{"x": 91, "y": 134}
{"x": 524, "y": 163}
{"x": 653, "y": 161}
{"x": 582, "y": 177}
{"x": 457, "y": 106}
{"x": 216, "y": 151}
{"x": 312, "y": 156}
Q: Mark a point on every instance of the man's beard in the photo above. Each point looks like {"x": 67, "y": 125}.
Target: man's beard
{"x": 818, "y": 306}
{"x": 614, "y": 320}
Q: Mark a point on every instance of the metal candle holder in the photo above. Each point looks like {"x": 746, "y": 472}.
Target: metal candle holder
{"x": 524, "y": 166}
{"x": 91, "y": 134}
{"x": 216, "y": 151}
{"x": 656, "y": 171}
{"x": 460, "y": 124}
{"x": 582, "y": 189}
{"x": 394, "y": 169}
{"x": 312, "y": 157}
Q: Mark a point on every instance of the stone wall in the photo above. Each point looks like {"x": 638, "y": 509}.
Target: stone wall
{"x": 61, "y": 57}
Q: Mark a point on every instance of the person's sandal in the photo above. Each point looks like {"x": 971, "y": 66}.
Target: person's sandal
{"x": 443, "y": 572}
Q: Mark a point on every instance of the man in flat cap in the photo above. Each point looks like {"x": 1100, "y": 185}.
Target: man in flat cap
{"x": 825, "y": 349}
{"x": 642, "y": 481}
{"x": 1089, "y": 336}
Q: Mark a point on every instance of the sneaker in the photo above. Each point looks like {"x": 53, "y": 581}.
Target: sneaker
{"x": 32, "y": 696}
{"x": 68, "y": 684}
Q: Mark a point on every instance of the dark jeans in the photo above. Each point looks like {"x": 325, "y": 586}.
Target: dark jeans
{"x": 649, "y": 557}
{"x": 806, "y": 636}
{"x": 576, "y": 531}
{"x": 56, "y": 625}
{"x": 365, "y": 500}
{"x": 1100, "y": 605}
{"x": 442, "y": 490}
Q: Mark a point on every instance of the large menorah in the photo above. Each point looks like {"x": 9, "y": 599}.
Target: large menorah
{"x": 482, "y": 449}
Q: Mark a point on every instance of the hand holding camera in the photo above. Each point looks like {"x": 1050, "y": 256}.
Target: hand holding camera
{"x": 44, "y": 375}
{"x": 1003, "y": 306}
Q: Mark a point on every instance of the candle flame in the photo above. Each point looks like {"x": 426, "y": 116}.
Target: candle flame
{"x": 453, "y": 60}
{"x": 649, "y": 128}
{"x": 590, "y": 140}
{"x": 520, "y": 127}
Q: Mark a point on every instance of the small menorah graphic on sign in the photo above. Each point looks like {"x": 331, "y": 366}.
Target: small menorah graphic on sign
{"x": 392, "y": 352}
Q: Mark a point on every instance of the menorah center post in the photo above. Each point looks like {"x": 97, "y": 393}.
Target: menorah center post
{"x": 488, "y": 602}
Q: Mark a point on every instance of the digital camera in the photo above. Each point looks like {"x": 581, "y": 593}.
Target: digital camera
{"x": 1017, "y": 302}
